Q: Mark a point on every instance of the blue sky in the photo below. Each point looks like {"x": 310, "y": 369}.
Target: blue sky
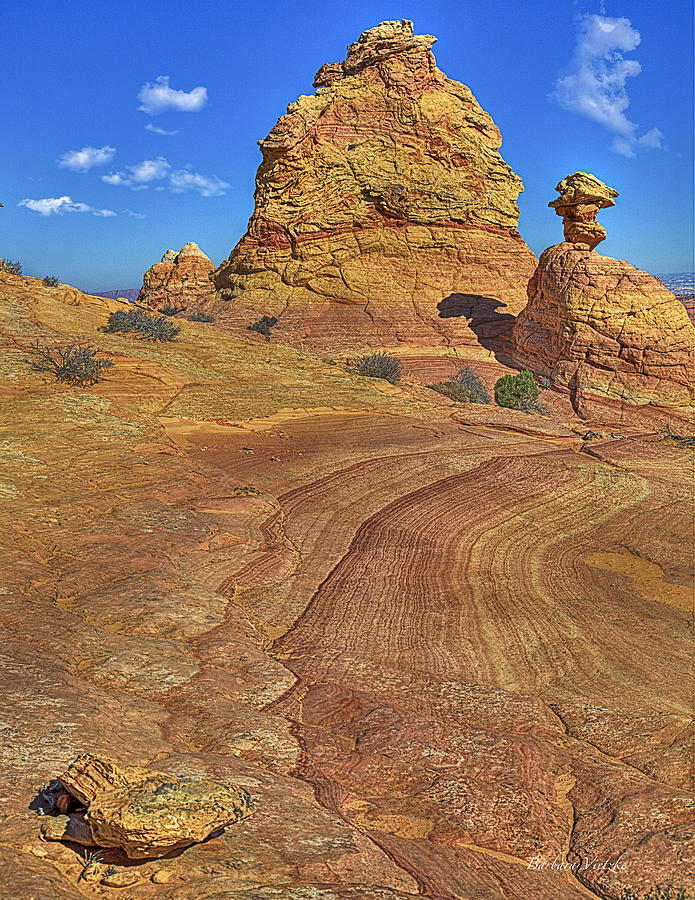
{"x": 605, "y": 88}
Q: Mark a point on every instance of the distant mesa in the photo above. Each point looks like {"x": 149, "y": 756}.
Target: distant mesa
{"x": 180, "y": 279}
{"x": 601, "y": 328}
{"x": 379, "y": 197}
{"x": 129, "y": 294}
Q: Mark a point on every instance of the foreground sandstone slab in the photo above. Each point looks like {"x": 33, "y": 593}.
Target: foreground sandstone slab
{"x": 432, "y": 642}
{"x": 383, "y": 207}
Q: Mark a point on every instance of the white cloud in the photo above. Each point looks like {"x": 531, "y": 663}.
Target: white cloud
{"x": 157, "y": 96}
{"x": 57, "y": 205}
{"x": 116, "y": 178}
{"x": 84, "y": 159}
{"x": 626, "y": 146}
{"x": 595, "y": 85}
{"x": 157, "y": 130}
{"x": 139, "y": 177}
{"x": 149, "y": 170}
{"x": 185, "y": 180}
{"x": 134, "y": 215}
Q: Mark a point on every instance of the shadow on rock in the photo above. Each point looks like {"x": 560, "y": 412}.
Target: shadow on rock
{"x": 490, "y": 325}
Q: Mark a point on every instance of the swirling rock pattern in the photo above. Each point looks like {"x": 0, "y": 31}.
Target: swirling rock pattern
{"x": 441, "y": 647}
{"x": 378, "y": 198}
{"x": 606, "y": 331}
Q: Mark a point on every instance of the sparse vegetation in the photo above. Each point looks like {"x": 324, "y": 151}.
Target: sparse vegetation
{"x": 378, "y": 365}
{"x": 12, "y": 266}
{"x": 171, "y": 310}
{"x": 546, "y": 382}
{"x": 518, "y": 392}
{"x": 50, "y": 281}
{"x": 264, "y": 325}
{"x": 464, "y": 387}
{"x": 90, "y": 861}
{"x": 659, "y": 892}
{"x": 201, "y": 317}
{"x": 150, "y": 328}
{"x": 73, "y": 363}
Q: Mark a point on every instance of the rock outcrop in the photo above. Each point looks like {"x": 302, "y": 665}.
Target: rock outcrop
{"x": 439, "y": 646}
{"x": 581, "y": 197}
{"x": 147, "y": 813}
{"x": 180, "y": 279}
{"x": 383, "y": 208}
{"x": 597, "y": 326}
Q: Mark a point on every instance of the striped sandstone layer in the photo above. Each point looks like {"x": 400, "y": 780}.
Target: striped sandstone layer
{"x": 179, "y": 279}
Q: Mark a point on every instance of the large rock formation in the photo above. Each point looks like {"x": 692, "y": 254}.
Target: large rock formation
{"x": 180, "y": 279}
{"x": 598, "y": 326}
{"x": 383, "y": 208}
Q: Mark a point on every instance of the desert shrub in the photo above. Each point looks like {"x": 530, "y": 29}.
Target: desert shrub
{"x": 170, "y": 310}
{"x": 518, "y": 391}
{"x": 464, "y": 387}
{"x": 546, "y": 383}
{"x": 263, "y": 326}
{"x": 50, "y": 281}
{"x": 246, "y": 491}
{"x": 71, "y": 363}
{"x": 659, "y": 892}
{"x": 378, "y": 365}
{"x": 13, "y": 266}
{"x": 151, "y": 328}
{"x": 201, "y": 317}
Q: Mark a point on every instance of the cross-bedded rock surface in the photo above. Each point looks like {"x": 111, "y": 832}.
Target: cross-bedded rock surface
{"x": 606, "y": 331}
{"x": 440, "y": 646}
{"x": 180, "y": 279}
{"x": 382, "y": 205}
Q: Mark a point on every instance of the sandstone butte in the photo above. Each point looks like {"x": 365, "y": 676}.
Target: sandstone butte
{"x": 600, "y": 328}
{"x": 180, "y": 279}
{"x": 442, "y": 647}
{"x": 384, "y": 213}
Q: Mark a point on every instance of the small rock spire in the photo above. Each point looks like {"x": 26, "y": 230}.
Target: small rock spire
{"x": 581, "y": 197}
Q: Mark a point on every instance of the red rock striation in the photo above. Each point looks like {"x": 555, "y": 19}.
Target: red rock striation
{"x": 180, "y": 279}
{"x": 384, "y": 211}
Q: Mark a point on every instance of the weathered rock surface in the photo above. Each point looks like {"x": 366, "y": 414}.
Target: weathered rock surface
{"x": 68, "y": 828}
{"x": 145, "y": 813}
{"x": 581, "y": 197}
{"x": 436, "y": 643}
{"x": 159, "y": 814}
{"x": 89, "y": 775}
{"x": 382, "y": 205}
{"x": 606, "y": 331}
{"x": 180, "y": 279}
